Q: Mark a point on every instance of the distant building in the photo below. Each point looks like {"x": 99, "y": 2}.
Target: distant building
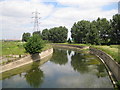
{"x": 119, "y": 7}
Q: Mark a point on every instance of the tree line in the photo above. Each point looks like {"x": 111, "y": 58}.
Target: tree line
{"x": 55, "y": 35}
{"x": 100, "y": 31}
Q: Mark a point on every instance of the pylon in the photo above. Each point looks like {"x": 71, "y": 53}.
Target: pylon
{"x": 36, "y": 20}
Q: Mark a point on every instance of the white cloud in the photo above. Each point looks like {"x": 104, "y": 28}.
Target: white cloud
{"x": 16, "y": 14}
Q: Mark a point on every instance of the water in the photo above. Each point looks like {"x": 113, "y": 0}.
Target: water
{"x": 66, "y": 69}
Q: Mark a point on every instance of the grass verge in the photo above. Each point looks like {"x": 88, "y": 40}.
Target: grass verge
{"x": 12, "y": 50}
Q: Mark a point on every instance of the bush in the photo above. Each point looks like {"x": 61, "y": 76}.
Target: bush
{"x": 69, "y": 40}
{"x": 34, "y": 45}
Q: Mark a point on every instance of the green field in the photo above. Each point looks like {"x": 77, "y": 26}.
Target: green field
{"x": 13, "y": 48}
{"x": 16, "y": 48}
{"x": 112, "y": 50}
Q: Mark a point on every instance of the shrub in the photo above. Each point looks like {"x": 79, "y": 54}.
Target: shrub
{"x": 69, "y": 40}
{"x": 34, "y": 45}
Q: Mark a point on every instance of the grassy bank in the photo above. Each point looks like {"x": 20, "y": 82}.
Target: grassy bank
{"x": 112, "y": 50}
{"x": 12, "y": 50}
{"x": 16, "y": 48}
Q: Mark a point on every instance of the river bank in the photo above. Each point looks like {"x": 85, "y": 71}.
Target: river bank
{"x": 26, "y": 60}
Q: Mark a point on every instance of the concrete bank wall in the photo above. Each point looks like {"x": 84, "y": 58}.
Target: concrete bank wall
{"x": 26, "y": 60}
{"x": 109, "y": 61}
{"x": 71, "y": 46}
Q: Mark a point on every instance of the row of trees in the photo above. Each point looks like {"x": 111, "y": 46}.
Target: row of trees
{"x": 55, "y": 35}
{"x": 100, "y": 31}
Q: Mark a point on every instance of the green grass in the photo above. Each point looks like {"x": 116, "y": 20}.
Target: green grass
{"x": 75, "y": 44}
{"x": 47, "y": 46}
{"x": 16, "y": 48}
{"x": 112, "y": 50}
{"x": 13, "y": 48}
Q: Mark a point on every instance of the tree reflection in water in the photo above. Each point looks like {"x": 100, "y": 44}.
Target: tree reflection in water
{"x": 59, "y": 57}
{"x": 78, "y": 63}
{"x": 34, "y": 76}
{"x": 101, "y": 71}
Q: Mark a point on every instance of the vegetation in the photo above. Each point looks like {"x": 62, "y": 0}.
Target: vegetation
{"x": 115, "y": 31}
{"x": 12, "y": 47}
{"x": 55, "y": 35}
{"x": 112, "y": 50}
{"x": 97, "y": 32}
{"x": 69, "y": 40}
{"x": 25, "y": 37}
{"x": 34, "y": 45}
{"x": 37, "y": 33}
{"x": 79, "y": 31}
{"x": 45, "y": 34}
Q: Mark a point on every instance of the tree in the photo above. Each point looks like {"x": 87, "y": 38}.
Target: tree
{"x": 37, "y": 33}
{"x": 115, "y": 31}
{"x": 103, "y": 28}
{"x": 79, "y": 31}
{"x": 34, "y": 45}
{"x": 92, "y": 36}
{"x": 26, "y": 36}
{"x": 69, "y": 40}
{"x": 45, "y": 34}
{"x": 58, "y": 34}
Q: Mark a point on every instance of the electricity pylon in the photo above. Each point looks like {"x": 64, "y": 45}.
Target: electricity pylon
{"x": 36, "y": 20}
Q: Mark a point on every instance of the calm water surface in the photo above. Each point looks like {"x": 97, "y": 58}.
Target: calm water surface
{"x": 66, "y": 69}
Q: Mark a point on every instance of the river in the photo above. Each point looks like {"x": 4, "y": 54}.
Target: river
{"x": 65, "y": 69}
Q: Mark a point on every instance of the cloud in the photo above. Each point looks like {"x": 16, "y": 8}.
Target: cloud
{"x": 16, "y": 14}
{"x": 83, "y": 81}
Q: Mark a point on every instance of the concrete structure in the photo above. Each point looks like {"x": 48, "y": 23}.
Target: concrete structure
{"x": 26, "y": 60}
{"x": 109, "y": 61}
{"x": 71, "y": 46}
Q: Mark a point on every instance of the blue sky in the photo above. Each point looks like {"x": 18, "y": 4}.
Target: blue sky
{"x": 16, "y": 14}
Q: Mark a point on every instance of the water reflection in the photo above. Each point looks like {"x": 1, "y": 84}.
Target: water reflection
{"x": 59, "y": 57}
{"x": 101, "y": 71}
{"x": 78, "y": 63}
{"x": 66, "y": 69}
{"x": 34, "y": 76}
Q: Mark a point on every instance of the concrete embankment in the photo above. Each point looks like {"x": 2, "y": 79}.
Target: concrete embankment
{"x": 26, "y": 60}
{"x": 71, "y": 46}
{"x": 109, "y": 61}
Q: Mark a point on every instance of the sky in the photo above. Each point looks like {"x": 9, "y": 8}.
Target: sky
{"x": 15, "y": 15}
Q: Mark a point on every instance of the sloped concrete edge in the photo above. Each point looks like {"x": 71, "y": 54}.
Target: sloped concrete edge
{"x": 26, "y": 60}
{"x": 109, "y": 61}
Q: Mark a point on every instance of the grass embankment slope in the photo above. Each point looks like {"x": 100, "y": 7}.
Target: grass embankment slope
{"x": 12, "y": 50}
{"x": 112, "y": 50}
{"x": 16, "y": 48}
